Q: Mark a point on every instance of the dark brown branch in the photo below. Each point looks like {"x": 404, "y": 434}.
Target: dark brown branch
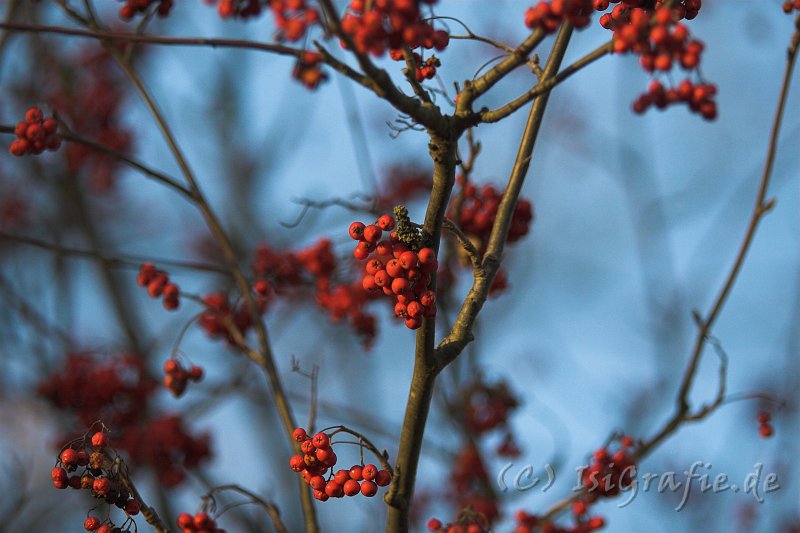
{"x": 270, "y": 508}
{"x": 461, "y": 334}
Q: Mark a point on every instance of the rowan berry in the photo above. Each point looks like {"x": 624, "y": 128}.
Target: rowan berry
{"x": 105, "y": 528}
{"x": 341, "y": 476}
{"x": 132, "y": 507}
{"x": 321, "y": 440}
{"x": 383, "y": 478}
{"x": 351, "y": 487}
{"x": 357, "y": 230}
{"x": 385, "y": 222}
{"x": 92, "y": 523}
{"x": 765, "y": 430}
{"x": 100, "y": 440}
{"x": 101, "y": 485}
{"x": 299, "y": 435}
{"x": 203, "y": 521}
{"x": 369, "y": 472}
{"x": 362, "y": 251}
{"x": 372, "y": 234}
{"x": 369, "y": 488}
{"x": 185, "y": 521}
{"x": 333, "y": 489}
{"x": 356, "y": 472}
{"x": 69, "y": 457}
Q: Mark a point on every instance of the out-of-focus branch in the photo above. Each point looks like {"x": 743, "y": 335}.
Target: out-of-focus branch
{"x": 115, "y": 36}
{"x": 270, "y": 508}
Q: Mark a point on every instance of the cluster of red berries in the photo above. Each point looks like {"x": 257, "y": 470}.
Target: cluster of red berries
{"x": 96, "y": 476}
{"x": 219, "y": 311}
{"x": 238, "y": 8}
{"x": 479, "y": 210}
{"x": 293, "y": 18}
{"x": 396, "y": 269}
{"x": 423, "y": 70}
{"x": 308, "y": 70}
{"x": 487, "y": 406}
{"x": 654, "y": 35}
{"x": 177, "y": 376}
{"x": 318, "y": 459}
{"x": 699, "y": 98}
{"x": 118, "y": 391}
{"x": 391, "y": 24}
{"x": 93, "y": 104}
{"x": 530, "y": 523}
{"x": 765, "y": 428}
{"x": 609, "y": 472}
{"x": 548, "y": 16}
{"x": 347, "y": 302}
{"x": 199, "y": 523}
{"x": 132, "y": 7}
{"x": 35, "y": 134}
{"x": 470, "y": 485}
{"x": 158, "y": 285}
{"x": 791, "y": 5}
{"x": 467, "y": 523}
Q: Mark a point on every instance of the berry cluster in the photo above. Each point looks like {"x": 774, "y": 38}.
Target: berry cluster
{"x": 96, "y": 476}
{"x": 199, "y": 523}
{"x": 293, "y": 18}
{"x": 699, "y": 98}
{"x": 35, "y": 134}
{"x": 158, "y": 285}
{"x": 133, "y": 7}
{"x": 318, "y": 459}
{"x": 219, "y": 312}
{"x": 479, "y": 210}
{"x": 530, "y": 523}
{"x": 423, "y": 70}
{"x": 791, "y": 5}
{"x": 660, "y": 41}
{"x": 308, "y": 70}
{"x": 118, "y": 392}
{"x": 609, "y": 472}
{"x": 237, "y": 8}
{"x": 177, "y": 376}
{"x": 395, "y": 268}
{"x": 548, "y": 16}
{"x": 654, "y": 36}
{"x": 489, "y": 407}
{"x": 765, "y": 428}
{"x": 468, "y": 522}
{"x": 93, "y": 104}
{"x": 390, "y": 24}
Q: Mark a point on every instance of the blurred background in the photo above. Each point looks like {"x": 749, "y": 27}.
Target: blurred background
{"x": 637, "y": 221}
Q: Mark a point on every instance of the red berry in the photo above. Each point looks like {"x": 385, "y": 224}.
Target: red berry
{"x": 105, "y": 528}
{"x": 69, "y": 457}
{"x": 299, "y": 435}
{"x": 321, "y": 440}
{"x": 763, "y": 417}
{"x": 369, "y": 472}
{"x": 132, "y": 507}
{"x": 91, "y": 523}
{"x": 99, "y": 440}
{"x": 434, "y": 524}
{"x": 357, "y": 230}
{"x": 333, "y": 489}
{"x": 317, "y": 482}
{"x": 33, "y": 114}
{"x": 185, "y": 521}
{"x": 362, "y": 251}
{"x": 765, "y": 430}
{"x": 383, "y": 478}
{"x": 296, "y": 463}
{"x": 369, "y": 488}
{"x": 203, "y": 521}
{"x": 386, "y": 222}
{"x": 408, "y": 260}
{"x": 351, "y": 487}
{"x": 195, "y": 373}
{"x": 101, "y": 485}
{"x": 356, "y": 472}
{"x": 372, "y": 233}
{"x": 341, "y": 476}
{"x": 307, "y": 446}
